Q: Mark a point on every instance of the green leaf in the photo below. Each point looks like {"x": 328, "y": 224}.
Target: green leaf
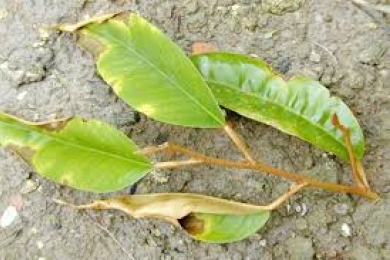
{"x": 300, "y": 106}
{"x": 204, "y": 218}
{"x": 87, "y": 155}
{"x": 152, "y": 74}
{"x": 219, "y": 228}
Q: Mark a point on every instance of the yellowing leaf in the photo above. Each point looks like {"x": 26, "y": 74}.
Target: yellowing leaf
{"x": 151, "y": 73}
{"x": 87, "y": 155}
{"x": 69, "y": 27}
{"x": 204, "y": 218}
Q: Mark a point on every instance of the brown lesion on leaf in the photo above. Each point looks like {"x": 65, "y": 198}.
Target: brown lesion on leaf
{"x": 23, "y": 152}
{"x": 54, "y": 125}
{"x": 192, "y": 224}
{"x": 73, "y": 27}
{"x": 50, "y": 125}
{"x": 91, "y": 45}
{"x": 88, "y": 43}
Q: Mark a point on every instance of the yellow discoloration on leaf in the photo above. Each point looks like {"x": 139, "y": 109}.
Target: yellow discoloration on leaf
{"x": 87, "y": 155}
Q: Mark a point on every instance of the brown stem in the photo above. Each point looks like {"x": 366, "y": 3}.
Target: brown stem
{"x": 197, "y": 158}
{"x": 174, "y": 164}
{"x": 362, "y": 174}
{"x": 240, "y": 144}
{"x": 152, "y": 149}
{"x": 284, "y": 197}
{"x": 357, "y": 172}
{"x": 346, "y": 135}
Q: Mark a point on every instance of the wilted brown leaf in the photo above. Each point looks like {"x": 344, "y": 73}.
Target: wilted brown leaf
{"x": 204, "y": 218}
{"x": 69, "y": 27}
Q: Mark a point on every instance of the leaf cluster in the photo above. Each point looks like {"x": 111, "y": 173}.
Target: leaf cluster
{"x": 153, "y": 75}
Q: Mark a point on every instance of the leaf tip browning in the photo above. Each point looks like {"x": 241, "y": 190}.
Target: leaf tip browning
{"x": 70, "y": 27}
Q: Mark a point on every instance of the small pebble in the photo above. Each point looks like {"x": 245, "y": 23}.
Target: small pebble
{"x": 43, "y": 33}
{"x": 22, "y": 95}
{"x": 384, "y": 73}
{"x": 33, "y": 231}
{"x": 39, "y": 44}
{"x": 270, "y": 34}
{"x": 372, "y": 26}
{"x": 3, "y": 13}
{"x": 346, "y": 230}
{"x": 40, "y": 245}
{"x": 33, "y": 76}
{"x": 235, "y": 9}
{"x": 16, "y": 200}
{"x": 302, "y": 209}
{"x": 315, "y": 57}
{"x": 156, "y": 232}
{"x": 9, "y": 216}
{"x": 263, "y": 243}
{"x": 29, "y": 186}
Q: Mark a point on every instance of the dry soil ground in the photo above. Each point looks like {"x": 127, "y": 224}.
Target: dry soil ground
{"x": 45, "y": 75}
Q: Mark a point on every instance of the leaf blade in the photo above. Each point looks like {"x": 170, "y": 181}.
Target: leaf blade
{"x": 156, "y": 79}
{"x": 90, "y": 155}
{"x": 229, "y": 228}
{"x": 205, "y": 218}
{"x": 300, "y": 107}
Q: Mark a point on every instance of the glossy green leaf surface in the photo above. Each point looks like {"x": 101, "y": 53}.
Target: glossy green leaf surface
{"x": 152, "y": 74}
{"x": 87, "y": 155}
{"x": 300, "y": 106}
{"x": 229, "y": 228}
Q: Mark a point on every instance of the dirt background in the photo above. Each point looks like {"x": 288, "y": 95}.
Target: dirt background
{"x": 45, "y": 75}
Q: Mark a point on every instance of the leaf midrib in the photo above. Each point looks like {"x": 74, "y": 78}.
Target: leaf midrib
{"x": 111, "y": 37}
{"x": 64, "y": 141}
{"x": 280, "y": 106}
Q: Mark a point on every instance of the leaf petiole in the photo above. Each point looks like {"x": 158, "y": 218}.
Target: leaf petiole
{"x": 357, "y": 172}
{"x": 240, "y": 144}
{"x": 284, "y": 197}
